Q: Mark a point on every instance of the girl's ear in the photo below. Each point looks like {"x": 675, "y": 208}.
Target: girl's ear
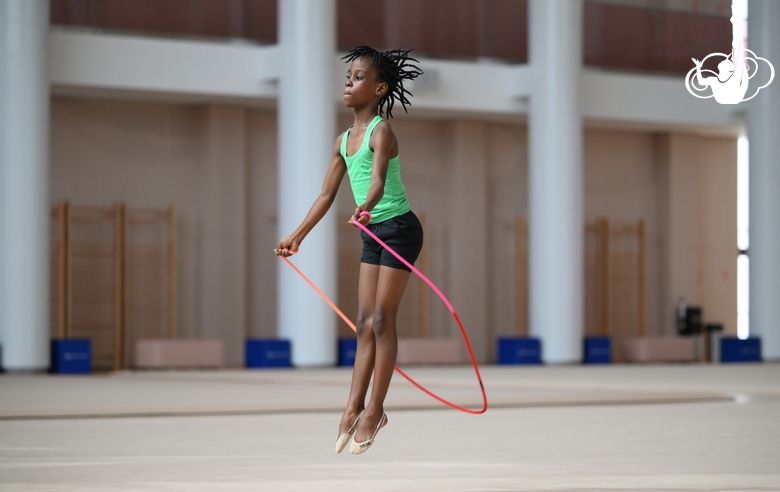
{"x": 381, "y": 89}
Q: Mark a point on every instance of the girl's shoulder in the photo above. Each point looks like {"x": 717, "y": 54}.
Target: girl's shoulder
{"x": 382, "y": 136}
{"x": 338, "y": 144}
{"x": 340, "y": 138}
{"x": 384, "y": 124}
{"x": 383, "y": 129}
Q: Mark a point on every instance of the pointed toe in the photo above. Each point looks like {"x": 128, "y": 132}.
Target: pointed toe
{"x": 343, "y": 439}
{"x": 362, "y": 447}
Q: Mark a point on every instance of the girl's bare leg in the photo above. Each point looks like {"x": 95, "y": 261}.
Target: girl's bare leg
{"x": 366, "y": 346}
{"x": 390, "y": 288}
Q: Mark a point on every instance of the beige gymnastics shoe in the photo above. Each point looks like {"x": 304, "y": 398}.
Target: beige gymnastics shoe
{"x": 362, "y": 447}
{"x": 343, "y": 439}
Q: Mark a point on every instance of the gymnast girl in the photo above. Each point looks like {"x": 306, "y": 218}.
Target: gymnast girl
{"x": 369, "y": 153}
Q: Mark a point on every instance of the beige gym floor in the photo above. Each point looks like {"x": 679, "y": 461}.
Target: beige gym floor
{"x": 569, "y": 428}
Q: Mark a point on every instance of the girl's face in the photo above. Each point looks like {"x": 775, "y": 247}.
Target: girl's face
{"x": 362, "y": 86}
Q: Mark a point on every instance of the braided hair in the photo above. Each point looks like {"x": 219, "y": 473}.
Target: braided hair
{"x": 392, "y": 67}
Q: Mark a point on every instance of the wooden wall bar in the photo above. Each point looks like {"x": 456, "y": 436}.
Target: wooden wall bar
{"x": 109, "y": 287}
{"x": 619, "y": 278}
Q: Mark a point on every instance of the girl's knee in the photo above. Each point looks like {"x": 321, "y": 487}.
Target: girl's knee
{"x": 364, "y": 324}
{"x": 382, "y": 323}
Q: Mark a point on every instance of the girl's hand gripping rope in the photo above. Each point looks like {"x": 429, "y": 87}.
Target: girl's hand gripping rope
{"x": 361, "y": 216}
{"x": 287, "y": 247}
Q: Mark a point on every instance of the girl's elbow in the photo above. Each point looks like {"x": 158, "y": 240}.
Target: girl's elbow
{"x": 327, "y": 197}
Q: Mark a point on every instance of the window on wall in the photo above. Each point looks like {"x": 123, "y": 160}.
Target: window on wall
{"x": 651, "y": 36}
{"x": 248, "y": 19}
{"x": 461, "y": 29}
{"x": 743, "y": 239}
{"x": 627, "y": 35}
{"x": 743, "y": 214}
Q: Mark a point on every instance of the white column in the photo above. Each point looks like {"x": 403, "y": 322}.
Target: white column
{"x": 24, "y": 184}
{"x": 556, "y": 180}
{"x": 764, "y": 135}
{"x": 307, "y": 131}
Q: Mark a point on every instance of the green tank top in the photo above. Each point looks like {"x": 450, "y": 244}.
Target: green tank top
{"x": 394, "y": 202}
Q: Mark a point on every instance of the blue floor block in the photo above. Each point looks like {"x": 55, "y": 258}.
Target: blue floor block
{"x": 347, "y": 350}
{"x": 598, "y": 350}
{"x": 519, "y": 351}
{"x": 71, "y": 356}
{"x": 262, "y": 353}
{"x": 736, "y": 350}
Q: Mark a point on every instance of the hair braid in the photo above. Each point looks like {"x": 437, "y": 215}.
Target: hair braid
{"x": 393, "y": 67}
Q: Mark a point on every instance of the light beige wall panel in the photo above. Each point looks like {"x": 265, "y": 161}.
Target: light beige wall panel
{"x": 619, "y": 176}
{"x": 222, "y": 211}
{"x": 142, "y": 154}
{"x": 678, "y": 209}
{"x": 684, "y": 217}
{"x": 718, "y": 231}
{"x": 620, "y": 185}
{"x": 262, "y": 231}
{"x": 425, "y": 170}
{"x": 662, "y": 146}
{"x": 507, "y": 155}
{"x": 468, "y": 238}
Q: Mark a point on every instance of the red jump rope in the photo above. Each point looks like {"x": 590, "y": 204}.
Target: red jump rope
{"x": 443, "y": 298}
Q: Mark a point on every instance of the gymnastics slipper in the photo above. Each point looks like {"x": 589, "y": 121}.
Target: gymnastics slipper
{"x": 343, "y": 439}
{"x": 362, "y": 447}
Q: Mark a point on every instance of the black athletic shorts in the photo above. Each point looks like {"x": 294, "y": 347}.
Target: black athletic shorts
{"x": 403, "y": 233}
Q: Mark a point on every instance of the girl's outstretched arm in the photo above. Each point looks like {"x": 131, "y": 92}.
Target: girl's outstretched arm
{"x": 289, "y": 245}
{"x": 385, "y": 146}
